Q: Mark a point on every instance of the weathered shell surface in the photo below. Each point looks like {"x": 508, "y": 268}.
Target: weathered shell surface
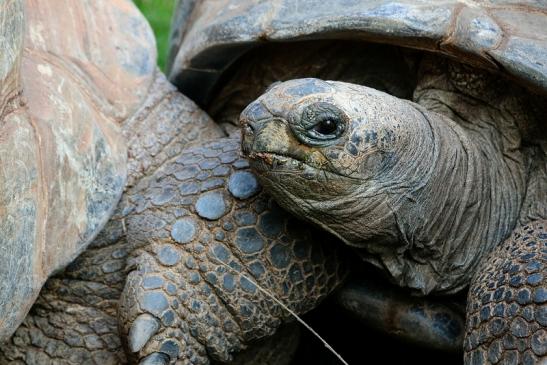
{"x": 505, "y": 35}
{"x": 65, "y": 83}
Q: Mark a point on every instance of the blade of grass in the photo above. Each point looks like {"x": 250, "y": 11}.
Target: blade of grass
{"x": 158, "y": 13}
{"x": 292, "y": 313}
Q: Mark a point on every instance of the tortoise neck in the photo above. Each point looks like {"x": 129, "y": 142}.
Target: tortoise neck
{"x": 464, "y": 210}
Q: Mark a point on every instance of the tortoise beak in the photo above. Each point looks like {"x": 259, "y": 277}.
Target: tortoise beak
{"x": 265, "y": 136}
{"x": 262, "y": 132}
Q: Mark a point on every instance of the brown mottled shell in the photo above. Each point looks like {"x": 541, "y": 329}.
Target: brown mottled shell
{"x": 503, "y": 36}
{"x": 69, "y": 74}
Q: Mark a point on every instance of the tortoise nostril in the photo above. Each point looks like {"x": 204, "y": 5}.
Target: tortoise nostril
{"x": 248, "y": 127}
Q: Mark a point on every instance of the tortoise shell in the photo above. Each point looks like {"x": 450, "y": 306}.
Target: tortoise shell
{"x": 502, "y": 36}
{"x": 65, "y": 85}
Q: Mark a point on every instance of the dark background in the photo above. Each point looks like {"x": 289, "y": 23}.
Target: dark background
{"x": 358, "y": 344}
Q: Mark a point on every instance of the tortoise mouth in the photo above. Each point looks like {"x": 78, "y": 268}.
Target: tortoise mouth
{"x": 280, "y": 163}
{"x": 266, "y": 158}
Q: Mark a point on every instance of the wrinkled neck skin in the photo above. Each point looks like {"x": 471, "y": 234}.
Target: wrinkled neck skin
{"x": 441, "y": 200}
{"x": 455, "y": 217}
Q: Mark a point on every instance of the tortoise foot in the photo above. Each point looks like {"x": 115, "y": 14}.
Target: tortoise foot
{"x": 213, "y": 252}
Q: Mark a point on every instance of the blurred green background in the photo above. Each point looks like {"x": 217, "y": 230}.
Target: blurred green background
{"x": 158, "y": 13}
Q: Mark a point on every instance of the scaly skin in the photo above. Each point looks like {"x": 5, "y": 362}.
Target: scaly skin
{"x": 425, "y": 196}
{"x": 75, "y": 319}
{"x": 507, "y": 302}
{"x": 206, "y": 235}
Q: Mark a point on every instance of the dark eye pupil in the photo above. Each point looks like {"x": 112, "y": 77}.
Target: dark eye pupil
{"x": 327, "y": 126}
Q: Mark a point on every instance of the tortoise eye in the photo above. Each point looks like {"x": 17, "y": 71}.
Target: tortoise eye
{"x": 326, "y": 127}
{"x": 321, "y": 124}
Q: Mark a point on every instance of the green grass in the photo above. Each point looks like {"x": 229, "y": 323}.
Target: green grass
{"x": 158, "y": 13}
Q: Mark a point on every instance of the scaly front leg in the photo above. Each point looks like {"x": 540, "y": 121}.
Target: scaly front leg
{"x": 217, "y": 258}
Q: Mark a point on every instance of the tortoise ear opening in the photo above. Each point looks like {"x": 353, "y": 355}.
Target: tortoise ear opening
{"x": 272, "y": 86}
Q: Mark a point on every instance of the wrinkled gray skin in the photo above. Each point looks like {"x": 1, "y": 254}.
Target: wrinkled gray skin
{"x": 395, "y": 178}
{"x": 424, "y": 190}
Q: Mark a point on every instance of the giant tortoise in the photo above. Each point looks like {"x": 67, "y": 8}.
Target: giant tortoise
{"x": 202, "y": 260}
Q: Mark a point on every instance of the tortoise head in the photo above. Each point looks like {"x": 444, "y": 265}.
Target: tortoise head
{"x": 334, "y": 153}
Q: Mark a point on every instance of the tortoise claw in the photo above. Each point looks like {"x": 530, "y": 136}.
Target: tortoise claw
{"x": 157, "y": 358}
{"x": 144, "y": 327}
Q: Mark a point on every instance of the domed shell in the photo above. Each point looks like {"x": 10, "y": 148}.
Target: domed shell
{"x": 505, "y": 36}
{"x": 69, "y": 74}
